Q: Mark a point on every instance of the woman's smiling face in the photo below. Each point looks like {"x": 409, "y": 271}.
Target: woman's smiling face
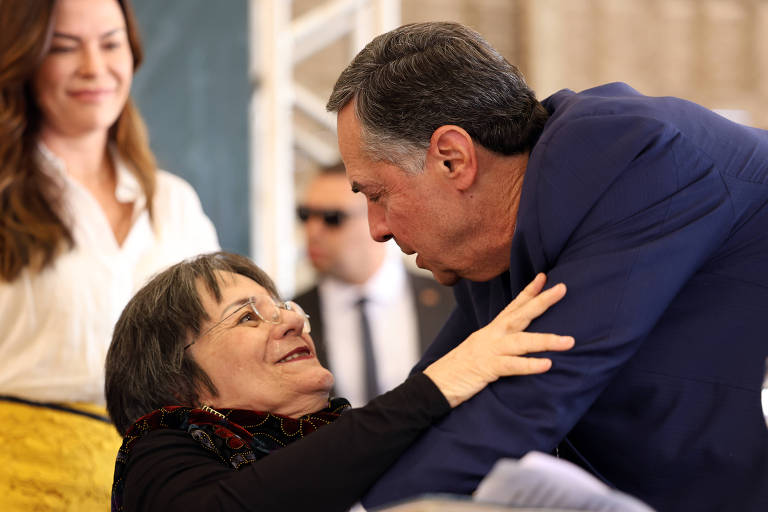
{"x": 254, "y": 364}
{"x": 84, "y": 80}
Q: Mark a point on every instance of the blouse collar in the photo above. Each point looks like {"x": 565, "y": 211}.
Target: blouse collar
{"x": 128, "y": 188}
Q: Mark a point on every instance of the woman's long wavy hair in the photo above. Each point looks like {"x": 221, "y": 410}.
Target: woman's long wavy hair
{"x": 33, "y": 230}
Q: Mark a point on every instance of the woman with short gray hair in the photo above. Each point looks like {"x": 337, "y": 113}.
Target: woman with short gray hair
{"x": 214, "y": 382}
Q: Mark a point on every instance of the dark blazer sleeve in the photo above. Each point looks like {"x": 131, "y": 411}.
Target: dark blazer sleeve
{"x": 626, "y": 212}
{"x": 310, "y": 302}
{"x": 434, "y": 302}
{"x": 328, "y": 470}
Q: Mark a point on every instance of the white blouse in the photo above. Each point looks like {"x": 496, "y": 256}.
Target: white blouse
{"x": 56, "y": 325}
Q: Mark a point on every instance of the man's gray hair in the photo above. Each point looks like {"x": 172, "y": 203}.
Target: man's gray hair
{"x": 412, "y": 80}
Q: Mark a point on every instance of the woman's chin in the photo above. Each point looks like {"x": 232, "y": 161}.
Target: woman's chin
{"x": 319, "y": 384}
{"x": 327, "y": 381}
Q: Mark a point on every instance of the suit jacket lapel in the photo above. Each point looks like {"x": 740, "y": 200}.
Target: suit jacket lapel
{"x": 310, "y": 301}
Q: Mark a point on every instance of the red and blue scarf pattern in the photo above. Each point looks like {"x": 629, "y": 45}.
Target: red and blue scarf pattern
{"x": 237, "y": 437}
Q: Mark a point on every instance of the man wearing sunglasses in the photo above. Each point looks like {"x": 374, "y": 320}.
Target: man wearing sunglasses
{"x": 360, "y": 278}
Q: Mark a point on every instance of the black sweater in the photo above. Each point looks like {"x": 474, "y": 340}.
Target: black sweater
{"x": 329, "y": 470}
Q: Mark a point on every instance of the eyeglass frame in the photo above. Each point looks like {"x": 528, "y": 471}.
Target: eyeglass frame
{"x": 287, "y": 305}
{"x": 327, "y": 215}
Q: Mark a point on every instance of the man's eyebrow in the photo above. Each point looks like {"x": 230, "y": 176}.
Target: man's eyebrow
{"x": 77, "y": 38}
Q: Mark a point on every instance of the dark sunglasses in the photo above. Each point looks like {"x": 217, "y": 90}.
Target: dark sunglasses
{"x": 331, "y": 218}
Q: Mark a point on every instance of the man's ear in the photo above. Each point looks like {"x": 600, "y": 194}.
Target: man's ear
{"x": 452, "y": 153}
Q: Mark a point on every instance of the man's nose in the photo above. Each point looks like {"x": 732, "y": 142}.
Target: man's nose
{"x": 377, "y": 223}
{"x": 314, "y": 226}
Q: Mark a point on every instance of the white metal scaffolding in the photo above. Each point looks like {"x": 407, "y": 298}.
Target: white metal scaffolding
{"x": 277, "y": 41}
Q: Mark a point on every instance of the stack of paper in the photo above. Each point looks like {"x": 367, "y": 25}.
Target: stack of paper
{"x": 535, "y": 483}
{"x": 540, "y": 480}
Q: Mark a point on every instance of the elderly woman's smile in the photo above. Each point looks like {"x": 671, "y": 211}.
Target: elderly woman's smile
{"x": 264, "y": 357}
{"x": 299, "y": 354}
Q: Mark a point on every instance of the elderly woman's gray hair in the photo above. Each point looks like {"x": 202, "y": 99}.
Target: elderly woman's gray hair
{"x": 412, "y": 80}
{"x": 147, "y": 366}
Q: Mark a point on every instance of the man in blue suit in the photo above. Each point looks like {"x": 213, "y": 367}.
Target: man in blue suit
{"x": 653, "y": 211}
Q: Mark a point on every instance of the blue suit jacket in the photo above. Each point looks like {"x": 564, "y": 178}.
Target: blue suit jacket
{"x": 654, "y": 212}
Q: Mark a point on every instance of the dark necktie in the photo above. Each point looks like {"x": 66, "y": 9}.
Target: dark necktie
{"x": 369, "y": 363}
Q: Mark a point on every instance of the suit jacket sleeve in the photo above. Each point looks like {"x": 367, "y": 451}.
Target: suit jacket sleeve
{"x": 605, "y": 201}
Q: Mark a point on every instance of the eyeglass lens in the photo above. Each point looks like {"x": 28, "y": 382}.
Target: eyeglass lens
{"x": 268, "y": 310}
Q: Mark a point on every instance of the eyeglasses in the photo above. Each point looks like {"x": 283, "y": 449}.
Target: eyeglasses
{"x": 332, "y": 218}
{"x": 266, "y": 308}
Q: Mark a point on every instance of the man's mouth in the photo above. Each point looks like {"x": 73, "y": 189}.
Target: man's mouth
{"x": 299, "y": 353}
{"x": 404, "y": 250}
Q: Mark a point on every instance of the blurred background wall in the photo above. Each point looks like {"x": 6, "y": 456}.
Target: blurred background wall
{"x": 195, "y": 90}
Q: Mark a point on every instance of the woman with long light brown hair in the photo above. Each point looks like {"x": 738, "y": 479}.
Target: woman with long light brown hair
{"x": 85, "y": 219}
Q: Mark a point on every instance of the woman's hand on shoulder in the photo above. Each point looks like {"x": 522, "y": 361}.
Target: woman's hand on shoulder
{"x": 498, "y": 349}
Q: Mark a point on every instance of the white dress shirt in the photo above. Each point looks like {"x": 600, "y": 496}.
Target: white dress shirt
{"x": 56, "y": 325}
{"x": 394, "y": 330}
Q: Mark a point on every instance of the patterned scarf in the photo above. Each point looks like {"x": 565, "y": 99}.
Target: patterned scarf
{"x": 238, "y": 437}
